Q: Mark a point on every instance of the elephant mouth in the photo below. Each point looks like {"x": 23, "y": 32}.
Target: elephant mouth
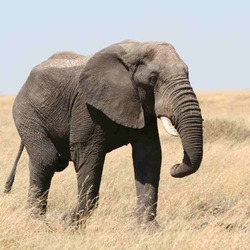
{"x": 169, "y": 127}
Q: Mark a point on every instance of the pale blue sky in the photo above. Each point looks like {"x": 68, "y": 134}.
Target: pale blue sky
{"x": 212, "y": 37}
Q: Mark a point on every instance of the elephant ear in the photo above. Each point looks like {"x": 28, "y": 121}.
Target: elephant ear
{"x": 105, "y": 83}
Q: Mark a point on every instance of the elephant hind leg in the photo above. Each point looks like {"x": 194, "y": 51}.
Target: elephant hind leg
{"x": 40, "y": 181}
{"x": 44, "y": 160}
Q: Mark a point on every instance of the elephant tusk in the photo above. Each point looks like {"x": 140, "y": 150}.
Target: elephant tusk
{"x": 168, "y": 126}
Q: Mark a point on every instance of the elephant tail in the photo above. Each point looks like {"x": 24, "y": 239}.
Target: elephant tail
{"x": 9, "y": 182}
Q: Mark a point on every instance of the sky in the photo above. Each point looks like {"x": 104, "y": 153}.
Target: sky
{"x": 212, "y": 37}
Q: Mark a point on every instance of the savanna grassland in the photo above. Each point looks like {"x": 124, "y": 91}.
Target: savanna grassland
{"x": 208, "y": 210}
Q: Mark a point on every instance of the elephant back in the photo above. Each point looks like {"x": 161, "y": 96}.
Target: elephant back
{"x": 64, "y": 59}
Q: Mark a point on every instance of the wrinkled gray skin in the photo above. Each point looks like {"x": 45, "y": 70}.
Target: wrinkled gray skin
{"x": 75, "y": 109}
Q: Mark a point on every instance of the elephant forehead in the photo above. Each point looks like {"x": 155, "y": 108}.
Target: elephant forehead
{"x": 158, "y": 47}
{"x": 166, "y": 52}
{"x": 167, "y": 56}
{"x": 162, "y": 52}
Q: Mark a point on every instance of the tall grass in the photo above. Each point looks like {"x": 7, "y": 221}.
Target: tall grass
{"x": 208, "y": 210}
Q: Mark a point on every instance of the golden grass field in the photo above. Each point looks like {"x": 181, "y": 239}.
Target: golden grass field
{"x": 208, "y": 210}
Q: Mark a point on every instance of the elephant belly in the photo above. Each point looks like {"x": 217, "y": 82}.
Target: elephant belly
{"x": 63, "y": 148}
{"x": 118, "y": 137}
{"x": 58, "y": 132}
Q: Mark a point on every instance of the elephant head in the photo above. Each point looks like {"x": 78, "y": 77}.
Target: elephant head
{"x": 131, "y": 82}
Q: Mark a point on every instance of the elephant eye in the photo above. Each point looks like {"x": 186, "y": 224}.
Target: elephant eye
{"x": 153, "y": 79}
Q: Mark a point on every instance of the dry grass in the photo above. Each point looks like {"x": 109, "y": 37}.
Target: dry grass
{"x": 209, "y": 210}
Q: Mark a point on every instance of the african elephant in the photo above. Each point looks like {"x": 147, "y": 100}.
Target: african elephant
{"x": 73, "y": 108}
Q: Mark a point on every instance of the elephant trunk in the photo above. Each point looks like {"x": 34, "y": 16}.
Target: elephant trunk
{"x": 190, "y": 130}
{"x": 185, "y": 115}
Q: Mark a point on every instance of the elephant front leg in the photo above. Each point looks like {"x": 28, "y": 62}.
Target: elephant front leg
{"x": 147, "y": 164}
{"x": 146, "y": 181}
{"x": 88, "y": 165}
{"x": 146, "y": 201}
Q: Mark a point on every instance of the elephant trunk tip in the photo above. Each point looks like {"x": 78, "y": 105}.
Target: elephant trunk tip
{"x": 182, "y": 170}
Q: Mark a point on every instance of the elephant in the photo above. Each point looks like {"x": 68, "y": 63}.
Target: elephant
{"x": 77, "y": 108}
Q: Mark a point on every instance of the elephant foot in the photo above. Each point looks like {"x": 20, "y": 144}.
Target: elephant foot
{"x": 37, "y": 211}
{"x": 147, "y": 226}
{"x": 150, "y": 226}
{"x": 37, "y": 203}
{"x": 148, "y": 223}
{"x": 75, "y": 220}
{"x": 70, "y": 219}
